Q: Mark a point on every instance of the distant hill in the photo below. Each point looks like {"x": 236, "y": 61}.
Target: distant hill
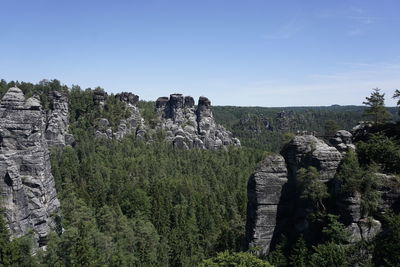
{"x": 265, "y": 128}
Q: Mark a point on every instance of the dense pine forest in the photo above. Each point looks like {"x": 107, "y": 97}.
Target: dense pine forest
{"x": 268, "y": 128}
{"x": 134, "y": 202}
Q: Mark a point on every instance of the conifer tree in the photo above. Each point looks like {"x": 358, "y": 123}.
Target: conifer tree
{"x": 376, "y": 106}
{"x": 397, "y": 95}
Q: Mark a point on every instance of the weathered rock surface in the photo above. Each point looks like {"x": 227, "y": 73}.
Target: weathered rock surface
{"x": 361, "y": 225}
{"x": 364, "y": 230}
{"x": 390, "y": 192}
{"x": 264, "y": 197}
{"x": 343, "y": 141}
{"x": 128, "y": 98}
{"x": 349, "y": 207}
{"x": 307, "y": 150}
{"x": 27, "y": 187}
{"x": 189, "y": 127}
{"x": 127, "y": 126}
{"x": 99, "y": 97}
{"x": 274, "y": 206}
{"x": 57, "y": 121}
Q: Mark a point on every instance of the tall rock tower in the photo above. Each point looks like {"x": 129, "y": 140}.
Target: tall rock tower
{"x": 28, "y": 194}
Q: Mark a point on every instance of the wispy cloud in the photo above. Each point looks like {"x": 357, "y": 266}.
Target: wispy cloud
{"x": 290, "y": 28}
{"x": 359, "y": 19}
{"x": 347, "y": 87}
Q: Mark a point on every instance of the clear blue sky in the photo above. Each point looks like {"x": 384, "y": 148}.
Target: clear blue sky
{"x": 247, "y": 53}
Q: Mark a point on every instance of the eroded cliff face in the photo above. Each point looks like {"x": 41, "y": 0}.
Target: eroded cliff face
{"x": 274, "y": 206}
{"x": 132, "y": 125}
{"x": 188, "y": 126}
{"x": 57, "y": 121}
{"x": 307, "y": 150}
{"x": 264, "y": 193}
{"x": 27, "y": 186}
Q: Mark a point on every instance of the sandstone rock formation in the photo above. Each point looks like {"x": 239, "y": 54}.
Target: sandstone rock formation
{"x": 99, "y": 97}
{"x": 343, "y": 141}
{"x": 364, "y": 230}
{"x": 57, "y": 121}
{"x": 126, "y": 126}
{"x": 264, "y": 197}
{"x": 307, "y": 150}
{"x": 270, "y": 208}
{"x": 390, "y": 192}
{"x": 27, "y": 187}
{"x": 273, "y": 201}
{"x": 189, "y": 127}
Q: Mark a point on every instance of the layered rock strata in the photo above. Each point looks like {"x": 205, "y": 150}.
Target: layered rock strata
{"x": 304, "y": 151}
{"x": 29, "y": 197}
{"x": 187, "y": 126}
{"x": 57, "y": 121}
{"x": 264, "y": 197}
{"x": 343, "y": 141}
{"x": 274, "y": 206}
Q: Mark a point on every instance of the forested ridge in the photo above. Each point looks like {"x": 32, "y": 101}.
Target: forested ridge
{"x": 268, "y": 128}
{"x": 133, "y": 202}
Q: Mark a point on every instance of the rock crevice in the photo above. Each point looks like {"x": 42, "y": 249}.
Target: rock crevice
{"x": 27, "y": 186}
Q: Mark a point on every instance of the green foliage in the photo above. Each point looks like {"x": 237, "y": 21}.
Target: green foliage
{"x": 331, "y": 127}
{"x": 149, "y": 203}
{"x": 355, "y": 179}
{"x": 127, "y": 203}
{"x": 370, "y": 194}
{"x": 287, "y": 137}
{"x": 16, "y": 252}
{"x": 376, "y": 106}
{"x": 381, "y": 150}
{"x": 262, "y": 128}
{"x": 349, "y": 173}
{"x": 148, "y": 112}
{"x": 329, "y": 254}
{"x": 311, "y": 187}
{"x": 278, "y": 257}
{"x": 231, "y": 259}
{"x": 387, "y": 244}
{"x": 334, "y": 231}
{"x": 397, "y": 95}
{"x": 299, "y": 256}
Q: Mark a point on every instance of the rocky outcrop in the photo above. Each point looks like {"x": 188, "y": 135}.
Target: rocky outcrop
{"x": 390, "y": 192}
{"x": 274, "y": 206}
{"x": 29, "y": 197}
{"x": 57, "y": 121}
{"x": 99, "y": 97}
{"x": 185, "y": 125}
{"x": 131, "y": 125}
{"x": 264, "y": 191}
{"x": 304, "y": 151}
{"x": 129, "y": 98}
{"x": 364, "y": 230}
{"x": 189, "y": 127}
{"x": 343, "y": 141}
